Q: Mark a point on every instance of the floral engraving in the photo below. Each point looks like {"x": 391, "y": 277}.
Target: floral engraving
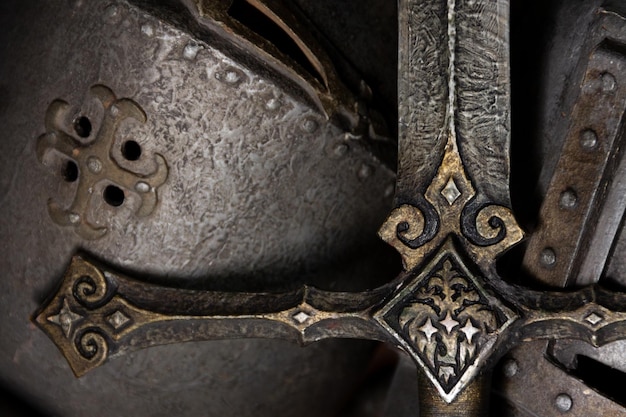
{"x": 446, "y": 320}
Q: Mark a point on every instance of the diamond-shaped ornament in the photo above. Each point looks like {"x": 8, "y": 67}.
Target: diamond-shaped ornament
{"x": 594, "y": 318}
{"x": 446, "y": 320}
{"x": 301, "y": 317}
{"x": 451, "y": 192}
{"x": 118, "y": 320}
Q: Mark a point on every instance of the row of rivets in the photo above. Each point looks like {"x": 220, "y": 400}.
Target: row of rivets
{"x": 588, "y": 140}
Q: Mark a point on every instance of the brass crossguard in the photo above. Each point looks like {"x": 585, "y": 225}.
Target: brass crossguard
{"x": 449, "y": 309}
{"x": 451, "y": 320}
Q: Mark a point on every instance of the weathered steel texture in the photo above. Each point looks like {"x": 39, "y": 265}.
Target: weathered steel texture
{"x": 86, "y": 146}
{"x": 571, "y": 213}
{"x": 483, "y": 93}
{"x": 255, "y": 177}
{"x": 454, "y": 71}
{"x": 97, "y": 315}
{"x": 535, "y": 386}
{"x": 423, "y": 61}
{"x": 453, "y": 96}
{"x": 592, "y": 231}
{"x": 566, "y": 353}
{"x": 226, "y": 144}
{"x": 593, "y": 315}
{"x": 322, "y": 83}
{"x": 584, "y": 204}
{"x": 527, "y": 382}
{"x": 573, "y": 38}
{"x": 451, "y": 293}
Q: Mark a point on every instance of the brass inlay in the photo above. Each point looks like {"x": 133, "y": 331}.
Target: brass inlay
{"x": 449, "y": 193}
{"x": 447, "y": 321}
{"x": 95, "y": 165}
{"x": 449, "y": 310}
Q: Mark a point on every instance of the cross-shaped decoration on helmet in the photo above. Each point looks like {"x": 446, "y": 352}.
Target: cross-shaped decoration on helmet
{"x": 449, "y": 309}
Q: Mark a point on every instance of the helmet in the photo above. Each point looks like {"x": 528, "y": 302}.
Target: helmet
{"x": 171, "y": 140}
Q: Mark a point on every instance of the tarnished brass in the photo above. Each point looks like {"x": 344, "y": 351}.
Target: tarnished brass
{"x": 446, "y": 320}
{"x": 89, "y": 146}
{"x": 449, "y": 193}
{"x": 98, "y": 314}
{"x": 474, "y": 401}
{"x": 449, "y": 310}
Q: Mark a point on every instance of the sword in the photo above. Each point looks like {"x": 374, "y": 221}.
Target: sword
{"x": 449, "y": 309}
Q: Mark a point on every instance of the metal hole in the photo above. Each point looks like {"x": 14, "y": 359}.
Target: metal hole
{"x": 70, "y": 171}
{"x": 82, "y": 126}
{"x": 131, "y": 150}
{"x": 114, "y": 196}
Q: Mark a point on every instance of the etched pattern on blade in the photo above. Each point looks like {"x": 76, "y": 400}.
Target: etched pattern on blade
{"x": 422, "y": 91}
{"x": 454, "y": 69}
{"x": 482, "y": 75}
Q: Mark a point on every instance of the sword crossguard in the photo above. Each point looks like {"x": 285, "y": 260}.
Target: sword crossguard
{"x": 449, "y": 310}
{"x": 453, "y": 321}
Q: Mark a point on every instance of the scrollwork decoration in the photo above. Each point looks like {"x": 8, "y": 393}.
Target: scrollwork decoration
{"x": 88, "y": 316}
{"x": 490, "y": 230}
{"x": 453, "y": 321}
{"x": 92, "y": 345}
{"x": 486, "y": 229}
{"x": 410, "y": 227}
{"x": 446, "y": 320}
{"x": 90, "y": 287}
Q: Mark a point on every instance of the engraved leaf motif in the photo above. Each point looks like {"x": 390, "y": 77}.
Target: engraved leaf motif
{"x": 482, "y": 315}
{"x": 445, "y": 297}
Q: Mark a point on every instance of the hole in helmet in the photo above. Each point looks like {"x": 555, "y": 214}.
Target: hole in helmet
{"x": 70, "y": 171}
{"x": 131, "y": 150}
{"x": 82, "y": 126}
{"x": 261, "y": 20}
{"x": 114, "y": 196}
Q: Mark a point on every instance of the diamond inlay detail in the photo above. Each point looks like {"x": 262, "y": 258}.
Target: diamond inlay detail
{"x": 301, "y": 317}
{"x": 469, "y": 330}
{"x": 428, "y": 329}
{"x": 594, "y": 318}
{"x": 65, "y": 318}
{"x": 451, "y": 191}
{"x": 118, "y": 320}
{"x": 449, "y": 323}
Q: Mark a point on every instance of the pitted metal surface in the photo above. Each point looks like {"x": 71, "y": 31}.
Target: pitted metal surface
{"x": 240, "y": 152}
{"x": 300, "y": 193}
{"x": 262, "y": 192}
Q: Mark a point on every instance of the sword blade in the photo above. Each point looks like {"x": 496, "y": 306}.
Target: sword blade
{"x": 453, "y": 80}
